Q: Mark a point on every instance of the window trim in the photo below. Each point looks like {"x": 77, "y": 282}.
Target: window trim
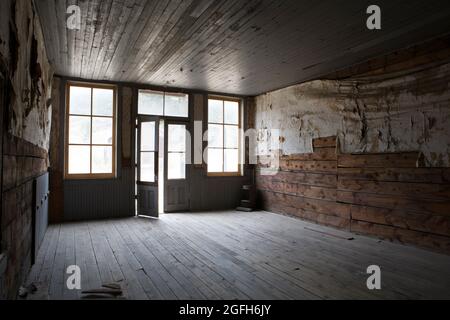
{"x": 90, "y": 176}
{"x": 231, "y": 99}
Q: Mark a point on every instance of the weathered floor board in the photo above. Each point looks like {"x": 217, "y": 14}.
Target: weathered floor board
{"x": 231, "y": 255}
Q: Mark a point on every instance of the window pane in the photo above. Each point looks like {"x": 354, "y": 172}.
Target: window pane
{"x": 79, "y": 130}
{"x": 176, "y": 165}
{"x": 102, "y": 102}
{"x": 176, "y": 105}
{"x": 148, "y": 166}
{"x": 215, "y": 136}
{"x": 101, "y": 159}
{"x": 231, "y": 112}
{"x": 215, "y": 160}
{"x": 148, "y": 136}
{"x": 79, "y": 159}
{"x": 215, "y": 111}
{"x": 102, "y": 130}
{"x": 177, "y": 138}
{"x": 150, "y": 103}
{"x": 231, "y": 160}
{"x": 80, "y": 100}
{"x": 231, "y": 136}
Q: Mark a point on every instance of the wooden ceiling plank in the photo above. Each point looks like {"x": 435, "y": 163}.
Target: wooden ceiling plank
{"x": 231, "y": 46}
{"x": 160, "y": 14}
{"x": 183, "y": 37}
{"x": 121, "y": 33}
{"x": 102, "y": 17}
{"x": 70, "y": 36}
{"x": 167, "y": 32}
{"x": 223, "y": 38}
{"x": 203, "y": 35}
{"x": 230, "y": 58}
{"x": 129, "y": 65}
{"x": 116, "y": 34}
{"x": 320, "y": 54}
{"x": 293, "y": 37}
{"x": 136, "y": 33}
{"x": 223, "y": 44}
{"x": 107, "y": 37}
{"x": 90, "y": 31}
{"x": 121, "y": 53}
{"x": 176, "y": 27}
{"x": 80, "y": 38}
{"x": 228, "y": 43}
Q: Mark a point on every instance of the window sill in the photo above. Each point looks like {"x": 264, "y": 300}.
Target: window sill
{"x": 224, "y": 175}
{"x": 90, "y": 177}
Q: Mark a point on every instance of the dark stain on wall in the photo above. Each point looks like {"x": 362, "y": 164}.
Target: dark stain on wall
{"x": 13, "y": 43}
{"x": 35, "y": 75}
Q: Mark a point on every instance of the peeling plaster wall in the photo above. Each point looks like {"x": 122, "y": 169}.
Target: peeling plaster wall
{"x": 30, "y": 111}
{"x": 26, "y": 134}
{"x": 405, "y": 113}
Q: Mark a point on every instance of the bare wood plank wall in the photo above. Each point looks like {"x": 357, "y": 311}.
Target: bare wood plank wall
{"x": 384, "y": 195}
{"x": 392, "y": 197}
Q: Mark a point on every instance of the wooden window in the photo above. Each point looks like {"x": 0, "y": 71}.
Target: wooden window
{"x": 169, "y": 104}
{"x": 223, "y": 136}
{"x": 90, "y": 140}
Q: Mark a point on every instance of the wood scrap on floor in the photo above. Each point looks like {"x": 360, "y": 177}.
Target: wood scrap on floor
{"x": 24, "y": 291}
{"x": 107, "y": 291}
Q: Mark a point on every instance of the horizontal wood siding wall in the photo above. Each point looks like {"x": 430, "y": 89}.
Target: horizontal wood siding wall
{"x": 306, "y": 186}
{"x": 99, "y": 199}
{"x": 391, "y": 197}
{"x": 385, "y": 195}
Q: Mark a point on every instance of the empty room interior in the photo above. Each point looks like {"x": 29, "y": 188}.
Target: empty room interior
{"x": 224, "y": 150}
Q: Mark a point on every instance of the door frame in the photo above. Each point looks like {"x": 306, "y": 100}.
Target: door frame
{"x": 140, "y": 119}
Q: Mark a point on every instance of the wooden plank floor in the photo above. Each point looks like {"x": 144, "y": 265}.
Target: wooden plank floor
{"x": 232, "y": 255}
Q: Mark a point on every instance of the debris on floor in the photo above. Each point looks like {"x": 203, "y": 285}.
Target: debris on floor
{"x": 24, "y": 291}
{"x": 107, "y": 291}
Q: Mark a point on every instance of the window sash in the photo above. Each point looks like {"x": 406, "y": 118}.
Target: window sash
{"x": 91, "y": 145}
{"x": 164, "y": 95}
{"x": 224, "y": 148}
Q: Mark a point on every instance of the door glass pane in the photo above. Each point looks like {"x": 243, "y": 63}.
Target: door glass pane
{"x": 101, "y": 159}
{"x": 176, "y": 165}
{"x": 79, "y": 130}
{"x": 176, "y": 105}
{"x": 147, "y": 167}
{"x": 148, "y": 136}
{"x": 102, "y": 102}
{"x": 79, "y": 159}
{"x": 231, "y": 112}
{"x": 215, "y": 111}
{"x": 177, "y": 138}
{"x": 151, "y": 103}
{"x": 231, "y": 160}
{"x": 215, "y": 160}
{"x": 231, "y": 136}
{"x": 102, "y": 130}
{"x": 80, "y": 100}
{"x": 215, "y": 135}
